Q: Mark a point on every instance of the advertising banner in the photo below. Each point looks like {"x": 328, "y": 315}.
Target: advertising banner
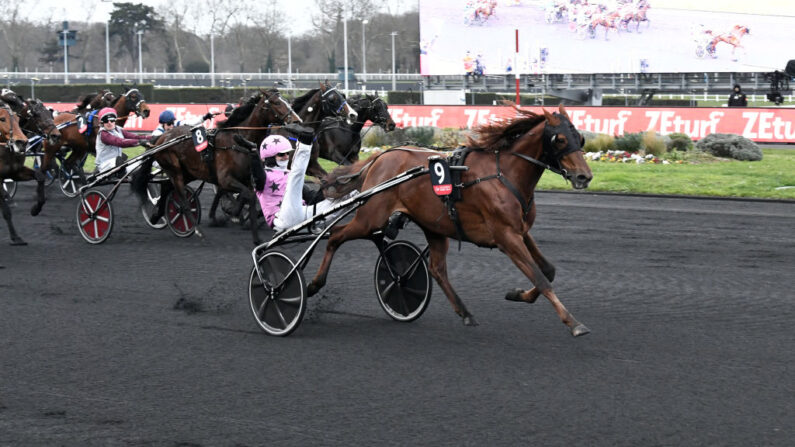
{"x": 758, "y": 124}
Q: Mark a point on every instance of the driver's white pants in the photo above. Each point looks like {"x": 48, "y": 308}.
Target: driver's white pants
{"x": 293, "y": 211}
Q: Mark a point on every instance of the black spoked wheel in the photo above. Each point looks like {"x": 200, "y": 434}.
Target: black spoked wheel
{"x": 177, "y": 217}
{"x": 70, "y": 180}
{"x": 149, "y": 206}
{"x": 10, "y": 188}
{"x": 402, "y": 281}
{"x": 278, "y": 294}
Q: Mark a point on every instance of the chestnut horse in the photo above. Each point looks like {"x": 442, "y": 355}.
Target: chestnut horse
{"x": 12, "y": 166}
{"x": 496, "y": 210}
{"x": 231, "y": 167}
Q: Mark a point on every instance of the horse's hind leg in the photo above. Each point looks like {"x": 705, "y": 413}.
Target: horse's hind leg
{"x": 530, "y": 296}
{"x": 512, "y": 245}
{"x": 356, "y": 229}
{"x": 15, "y": 239}
{"x": 438, "y": 269}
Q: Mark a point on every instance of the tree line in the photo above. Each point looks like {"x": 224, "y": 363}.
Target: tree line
{"x": 247, "y": 36}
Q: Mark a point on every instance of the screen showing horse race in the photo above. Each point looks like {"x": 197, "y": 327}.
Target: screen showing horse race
{"x": 478, "y": 37}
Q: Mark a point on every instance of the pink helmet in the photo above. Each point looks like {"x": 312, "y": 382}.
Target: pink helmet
{"x": 106, "y": 112}
{"x": 273, "y": 145}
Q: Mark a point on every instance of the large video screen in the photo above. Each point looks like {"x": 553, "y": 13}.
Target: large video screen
{"x": 607, "y": 36}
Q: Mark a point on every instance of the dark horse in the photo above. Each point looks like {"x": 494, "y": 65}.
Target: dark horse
{"x": 131, "y": 101}
{"x": 340, "y": 142}
{"x": 12, "y": 166}
{"x": 230, "y": 168}
{"x": 94, "y": 101}
{"x": 316, "y": 105}
{"x": 36, "y": 119}
{"x": 505, "y": 162}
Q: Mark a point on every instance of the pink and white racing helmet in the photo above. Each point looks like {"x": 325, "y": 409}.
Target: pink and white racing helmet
{"x": 273, "y": 145}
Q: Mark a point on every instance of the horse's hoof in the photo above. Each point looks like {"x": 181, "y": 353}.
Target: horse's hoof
{"x": 469, "y": 320}
{"x": 312, "y": 289}
{"x": 17, "y": 241}
{"x": 514, "y": 295}
{"x": 580, "y": 329}
{"x": 199, "y": 233}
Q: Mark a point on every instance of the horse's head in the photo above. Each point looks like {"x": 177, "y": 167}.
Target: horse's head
{"x": 132, "y": 101}
{"x": 278, "y": 108}
{"x": 37, "y": 118}
{"x": 12, "y": 99}
{"x": 376, "y": 110}
{"x": 10, "y": 131}
{"x": 334, "y": 103}
{"x": 563, "y": 148}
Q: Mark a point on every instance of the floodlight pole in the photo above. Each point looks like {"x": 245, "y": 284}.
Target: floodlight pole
{"x": 65, "y": 57}
{"x": 140, "y": 59}
{"x": 345, "y": 50}
{"x": 394, "y": 76}
{"x": 516, "y": 68}
{"x": 364, "y": 54}
{"x": 212, "y": 60}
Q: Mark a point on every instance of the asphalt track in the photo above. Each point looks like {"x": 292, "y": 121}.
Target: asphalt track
{"x": 147, "y": 339}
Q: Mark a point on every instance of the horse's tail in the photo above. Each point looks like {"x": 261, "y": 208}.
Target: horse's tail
{"x": 140, "y": 179}
{"x": 345, "y": 179}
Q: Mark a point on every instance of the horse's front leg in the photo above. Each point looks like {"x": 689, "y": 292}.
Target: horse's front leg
{"x": 512, "y": 245}
{"x": 15, "y": 239}
{"x": 356, "y": 229}
{"x": 530, "y": 296}
{"x": 246, "y": 195}
{"x": 438, "y": 269}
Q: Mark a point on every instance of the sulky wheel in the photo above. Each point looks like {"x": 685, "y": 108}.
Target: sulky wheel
{"x": 70, "y": 180}
{"x": 278, "y": 297}
{"x": 177, "y": 217}
{"x": 10, "y": 188}
{"x": 402, "y": 281}
{"x": 94, "y": 217}
{"x": 150, "y": 205}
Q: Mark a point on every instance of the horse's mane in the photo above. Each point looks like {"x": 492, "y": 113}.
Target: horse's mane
{"x": 84, "y": 100}
{"x": 300, "y": 102}
{"x": 241, "y": 113}
{"x": 501, "y": 135}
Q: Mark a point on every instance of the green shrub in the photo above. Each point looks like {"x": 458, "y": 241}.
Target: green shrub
{"x": 374, "y": 136}
{"x": 653, "y": 144}
{"x": 679, "y": 142}
{"x": 423, "y": 136}
{"x": 600, "y": 143}
{"x": 730, "y": 146}
{"x": 630, "y": 142}
{"x": 449, "y": 137}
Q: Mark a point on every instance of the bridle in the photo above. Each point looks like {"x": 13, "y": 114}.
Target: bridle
{"x": 551, "y": 157}
{"x": 373, "y": 112}
{"x": 29, "y": 115}
{"x": 268, "y": 105}
{"x": 327, "y": 104}
{"x": 137, "y": 107}
{"x": 11, "y": 122}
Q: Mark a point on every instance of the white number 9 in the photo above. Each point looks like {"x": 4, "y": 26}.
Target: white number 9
{"x": 439, "y": 171}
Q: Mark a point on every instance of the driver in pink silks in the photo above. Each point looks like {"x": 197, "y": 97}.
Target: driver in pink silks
{"x": 281, "y": 196}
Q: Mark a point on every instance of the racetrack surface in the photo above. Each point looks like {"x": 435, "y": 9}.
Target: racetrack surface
{"x": 147, "y": 338}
